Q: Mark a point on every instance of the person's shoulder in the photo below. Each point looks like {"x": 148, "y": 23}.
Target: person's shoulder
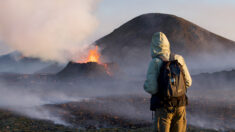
{"x": 179, "y": 58}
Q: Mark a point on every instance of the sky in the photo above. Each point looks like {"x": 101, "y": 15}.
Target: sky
{"x": 217, "y": 16}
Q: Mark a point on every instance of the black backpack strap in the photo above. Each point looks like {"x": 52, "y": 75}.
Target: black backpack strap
{"x": 172, "y": 56}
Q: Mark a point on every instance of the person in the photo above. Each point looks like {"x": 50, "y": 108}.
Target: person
{"x": 167, "y": 118}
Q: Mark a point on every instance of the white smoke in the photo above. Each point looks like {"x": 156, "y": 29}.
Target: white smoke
{"x": 30, "y": 103}
{"x": 48, "y": 29}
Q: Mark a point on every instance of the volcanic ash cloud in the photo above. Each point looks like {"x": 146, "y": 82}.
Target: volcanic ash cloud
{"x": 48, "y": 29}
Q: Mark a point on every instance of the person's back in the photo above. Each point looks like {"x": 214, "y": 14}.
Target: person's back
{"x": 167, "y": 118}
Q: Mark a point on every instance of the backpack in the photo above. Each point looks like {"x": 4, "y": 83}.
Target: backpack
{"x": 171, "y": 85}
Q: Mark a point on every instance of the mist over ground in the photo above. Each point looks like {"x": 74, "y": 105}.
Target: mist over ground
{"x": 122, "y": 96}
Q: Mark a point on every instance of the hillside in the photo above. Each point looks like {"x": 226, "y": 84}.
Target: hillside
{"x": 130, "y": 43}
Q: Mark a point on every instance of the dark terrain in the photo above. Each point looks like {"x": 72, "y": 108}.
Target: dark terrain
{"x": 129, "y": 111}
{"x": 129, "y": 44}
{"x": 186, "y": 38}
{"x": 117, "y": 101}
{"x": 82, "y": 118}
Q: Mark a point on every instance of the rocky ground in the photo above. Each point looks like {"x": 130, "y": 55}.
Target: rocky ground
{"x": 104, "y": 114}
{"x": 10, "y": 122}
{"x": 119, "y": 112}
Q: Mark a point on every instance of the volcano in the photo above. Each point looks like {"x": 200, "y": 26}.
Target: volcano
{"x": 87, "y": 70}
{"x": 129, "y": 46}
{"x": 90, "y": 67}
{"x": 83, "y": 70}
{"x": 131, "y": 42}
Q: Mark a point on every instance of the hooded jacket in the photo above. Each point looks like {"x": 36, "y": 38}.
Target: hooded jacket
{"x": 161, "y": 46}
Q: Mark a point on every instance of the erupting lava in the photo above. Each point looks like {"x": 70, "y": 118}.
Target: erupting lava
{"x": 94, "y": 56}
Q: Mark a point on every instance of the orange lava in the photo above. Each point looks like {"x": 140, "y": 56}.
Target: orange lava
{"x": 94, "y": 55}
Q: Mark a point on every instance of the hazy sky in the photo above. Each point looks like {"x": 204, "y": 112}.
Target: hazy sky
{"x": 217, "y": 16}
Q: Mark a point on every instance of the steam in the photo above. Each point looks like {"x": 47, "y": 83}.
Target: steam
{"x": 30, "y": 101}
{"x": 47, "y": 29}
{"x": 209, "y": 63}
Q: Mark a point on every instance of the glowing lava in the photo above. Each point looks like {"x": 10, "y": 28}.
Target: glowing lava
{"x": 94, "y": 55}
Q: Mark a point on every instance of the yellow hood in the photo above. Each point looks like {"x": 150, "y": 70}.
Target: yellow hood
{"x": 160, "y": 45}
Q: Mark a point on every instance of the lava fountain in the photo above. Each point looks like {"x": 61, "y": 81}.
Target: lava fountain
{"x": 93, "y": 56}
{"x": 91, "y": 66}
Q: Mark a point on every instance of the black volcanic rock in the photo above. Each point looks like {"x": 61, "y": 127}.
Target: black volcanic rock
{"x": 131, "y": 41}
{"x": 84, "y": 70}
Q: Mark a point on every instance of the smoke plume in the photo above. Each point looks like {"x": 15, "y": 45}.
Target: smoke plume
{"x": 48, "y": 29}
